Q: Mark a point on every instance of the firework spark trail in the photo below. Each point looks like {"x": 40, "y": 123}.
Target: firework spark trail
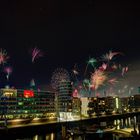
{"x": 124, "y": 70}
{"x": 75, "y": 72}
{"x": 36, "y": 53}
{"x": 8, "y": 70}
{"x": 92, "y": 62}
{"x": 103, "y": 67}
{"x": 114, "y": 67}
{"x": 3, "y": 56}
{"x": 112, "y": 81}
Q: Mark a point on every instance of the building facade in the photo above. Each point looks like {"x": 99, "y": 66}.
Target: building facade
{"x": 15, "y": 103}
{"x": 64, "y": 99}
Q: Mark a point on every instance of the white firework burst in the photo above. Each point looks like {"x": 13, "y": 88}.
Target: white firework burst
{"x": 59, "y": 75}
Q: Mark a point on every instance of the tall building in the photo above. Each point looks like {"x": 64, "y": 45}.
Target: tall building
{"x": 64, "y": 99}
{"x": 84, "y": 106}
{"x": 92, "y": 105}
{"x": 76, "y": 107}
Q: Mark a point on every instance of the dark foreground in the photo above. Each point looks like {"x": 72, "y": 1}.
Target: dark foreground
{"x": 44, "y": 134}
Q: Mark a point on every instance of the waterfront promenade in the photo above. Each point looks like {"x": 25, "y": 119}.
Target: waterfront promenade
{"x": 55, "y": 126}
{"x": 73, "y": 120}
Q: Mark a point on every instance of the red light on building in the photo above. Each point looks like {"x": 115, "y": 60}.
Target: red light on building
{"x": 28, "y": 93}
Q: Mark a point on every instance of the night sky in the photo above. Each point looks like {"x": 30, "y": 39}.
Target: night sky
{"x": 68, "y": 33}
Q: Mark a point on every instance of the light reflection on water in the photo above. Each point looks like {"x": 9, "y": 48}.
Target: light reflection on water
{"x": 45, "y": 135}
{"x": 35, "y": 137}
{"x": 40, "y": 137}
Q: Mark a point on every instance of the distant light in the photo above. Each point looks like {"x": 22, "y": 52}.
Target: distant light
{"x": 26, "y": 111}
{"x": 52, "y": 136}
{"x": 20, "y": 103}
{"x": 36, "y": 137}
{"x": 117, "y": 103}
{"x": 7, "y": 86}
{"x": 28, "y": 93}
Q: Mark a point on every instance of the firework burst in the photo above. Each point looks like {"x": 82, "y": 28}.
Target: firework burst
{"x": 92, "y": 62}
{"x": 36, "y": 53}
{"x": 59, "y": 75}
{"x": 109, "y": 56}
{"x": 98, "y": 78}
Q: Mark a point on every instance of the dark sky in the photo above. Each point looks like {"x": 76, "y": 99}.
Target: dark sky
{"x": 68, "y": 32}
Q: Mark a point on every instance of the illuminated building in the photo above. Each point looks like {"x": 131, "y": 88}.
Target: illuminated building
{"x": 45, "y": 102}
{"x": 97, "y": 105}
{"x": 76, "y": 106}
{"x": 101, "y": 105}
{"x": 6, "y": 92}
{"x": 124, "y": 104}
{"x": 131, "y": 103}
{"x": 84, "y": 106}
{"x": 8, "y": 102}
{"x": 113, "y": 105}
{"x": 27, "y": 103}
{"x": 64, "y": 98}
{"x": 36, "y": 103}
{"x": 134, "y": 102}
{"x": 137, "y": 102}
{"x": 92, "y": 105}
